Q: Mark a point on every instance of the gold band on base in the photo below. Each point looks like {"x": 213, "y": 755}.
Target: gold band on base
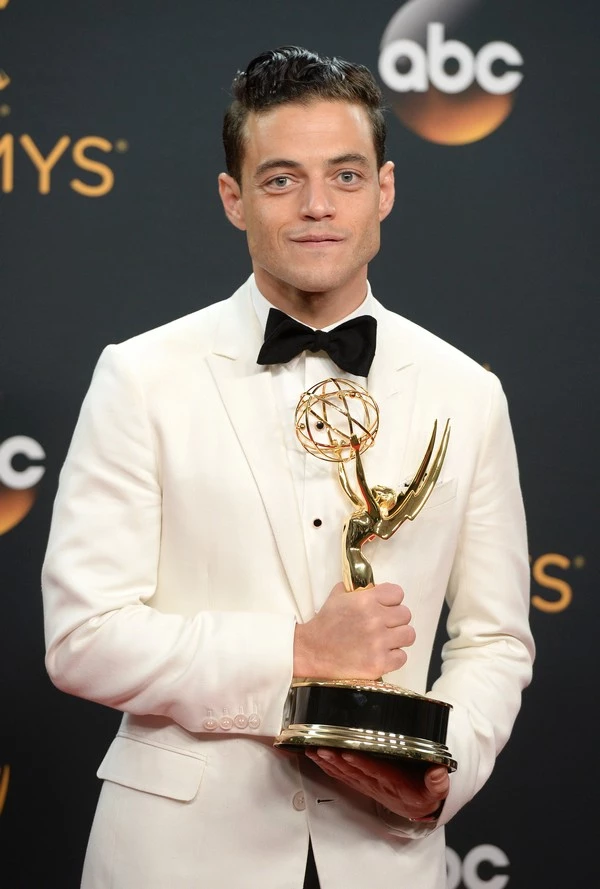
{"x": 367, "y": 741}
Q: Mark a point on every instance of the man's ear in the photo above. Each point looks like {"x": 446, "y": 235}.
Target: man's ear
{"x": 231, "y": 196}
{"x": 387, "y": 189}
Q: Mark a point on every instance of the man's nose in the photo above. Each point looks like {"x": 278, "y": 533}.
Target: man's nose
{"x": 317, "y": 201}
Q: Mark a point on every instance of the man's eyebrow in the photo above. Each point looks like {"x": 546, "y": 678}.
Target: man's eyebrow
{"x": 351, "y": 158}
{"x": 276, "y": 163}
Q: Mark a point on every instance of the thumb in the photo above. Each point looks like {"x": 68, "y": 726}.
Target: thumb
{"x": 437, "y": 781}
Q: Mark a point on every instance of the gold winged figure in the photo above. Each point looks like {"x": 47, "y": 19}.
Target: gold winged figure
{"x": 380, "y": 510}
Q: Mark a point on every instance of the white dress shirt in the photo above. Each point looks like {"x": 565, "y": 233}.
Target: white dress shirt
{"x": 322, "y": 504}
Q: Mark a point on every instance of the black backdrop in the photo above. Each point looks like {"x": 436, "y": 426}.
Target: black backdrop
{"x": 491, "y": 245}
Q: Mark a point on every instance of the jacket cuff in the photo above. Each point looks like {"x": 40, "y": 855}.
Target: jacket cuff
{"x": 411, "y": 828}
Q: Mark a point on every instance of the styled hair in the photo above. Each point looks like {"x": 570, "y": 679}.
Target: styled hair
{"x": 293, "y": 74}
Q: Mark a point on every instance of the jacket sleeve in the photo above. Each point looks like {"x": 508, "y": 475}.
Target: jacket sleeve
{"x": 488, "y": 656}
{"x": 104, "y": 640}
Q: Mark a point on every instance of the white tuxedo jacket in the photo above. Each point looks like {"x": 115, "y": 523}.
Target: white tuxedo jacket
{"x": 175, "y": 572}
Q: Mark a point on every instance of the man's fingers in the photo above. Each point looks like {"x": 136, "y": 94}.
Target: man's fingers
{"x": 401, "y": 637}
{"x": 329, "y": 762}
{"x": 409, "y": 789}
{"x": 388, "y": 593}
{"x": 437, "y": 781}
{"x": 365, "y": 765}
{"x": 398, "y": 616}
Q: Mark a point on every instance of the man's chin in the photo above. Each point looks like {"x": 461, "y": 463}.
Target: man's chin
{"x": 312, "y": 280}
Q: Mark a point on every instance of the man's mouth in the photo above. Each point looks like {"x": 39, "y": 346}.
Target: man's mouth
{"x": 318, "y": 239}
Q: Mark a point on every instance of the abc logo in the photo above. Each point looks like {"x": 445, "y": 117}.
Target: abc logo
{"x": 479, "y": 870}
{"x": 440, "y": 89}
{"x": 20, "y": 472}
{"x": 4, "y": 781}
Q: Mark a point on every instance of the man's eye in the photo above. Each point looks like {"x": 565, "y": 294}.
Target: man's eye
{"x": 347, "y": 176}
{"x": 280, "y": 181}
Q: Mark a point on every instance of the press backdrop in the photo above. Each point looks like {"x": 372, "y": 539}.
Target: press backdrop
{"x": 110, "y": 118}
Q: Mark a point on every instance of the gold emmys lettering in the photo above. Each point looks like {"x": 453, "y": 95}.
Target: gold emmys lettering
{"x": 338, "y": 420}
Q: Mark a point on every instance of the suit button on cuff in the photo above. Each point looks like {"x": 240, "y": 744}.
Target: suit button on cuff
{"x": 240, "y": 721}
{"x": 253, "y": 720}
{"x": 210, "y": 724}
{"x": 226, "y": 723}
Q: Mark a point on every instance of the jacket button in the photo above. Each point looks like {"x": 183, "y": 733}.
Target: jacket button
{"x": 226, "y": 723}
{"x": 298, "y": 801}
{"x": 254, "y": 720}
{"x": 240, "y": 721}
{"x": 210, "y": 724}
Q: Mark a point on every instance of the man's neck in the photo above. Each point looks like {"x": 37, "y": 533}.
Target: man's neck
{"x": 316, "y": 309}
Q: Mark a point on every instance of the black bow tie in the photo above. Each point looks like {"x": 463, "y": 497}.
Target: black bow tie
{"x": 350, "y": 345}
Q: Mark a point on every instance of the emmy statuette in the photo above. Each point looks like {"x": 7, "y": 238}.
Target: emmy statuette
{"x": 337, "y": 420}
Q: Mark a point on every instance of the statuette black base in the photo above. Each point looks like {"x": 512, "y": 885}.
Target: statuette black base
{"x": 372, "y": 717}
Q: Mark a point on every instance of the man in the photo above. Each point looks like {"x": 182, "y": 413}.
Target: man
{"x": 192, "y": 567}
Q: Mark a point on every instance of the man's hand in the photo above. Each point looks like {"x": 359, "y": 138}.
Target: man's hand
{"x": 357, "y": 635}
{"x": 409, "y": 791}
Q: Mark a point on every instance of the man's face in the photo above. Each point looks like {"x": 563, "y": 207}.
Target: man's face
{"x": 311, "y": 198}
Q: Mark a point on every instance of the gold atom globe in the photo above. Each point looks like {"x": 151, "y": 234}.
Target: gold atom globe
{"x": 330, "y": 413}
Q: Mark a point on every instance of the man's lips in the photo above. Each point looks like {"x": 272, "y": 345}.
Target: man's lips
{"x": 317, "y": 239}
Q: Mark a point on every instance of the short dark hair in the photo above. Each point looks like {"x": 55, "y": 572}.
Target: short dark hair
{"x": 293, "y": 74}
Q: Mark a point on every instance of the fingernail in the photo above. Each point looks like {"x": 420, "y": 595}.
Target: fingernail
{"x": 324, "y": 754}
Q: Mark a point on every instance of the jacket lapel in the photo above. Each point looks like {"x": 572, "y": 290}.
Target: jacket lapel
{"x": 246, "y": 391}
{"x": 393, "y": 384}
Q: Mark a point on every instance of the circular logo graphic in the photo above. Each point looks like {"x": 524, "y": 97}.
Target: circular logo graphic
{"x": 441, "y": 88}
{"x": 20, "y": 473}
